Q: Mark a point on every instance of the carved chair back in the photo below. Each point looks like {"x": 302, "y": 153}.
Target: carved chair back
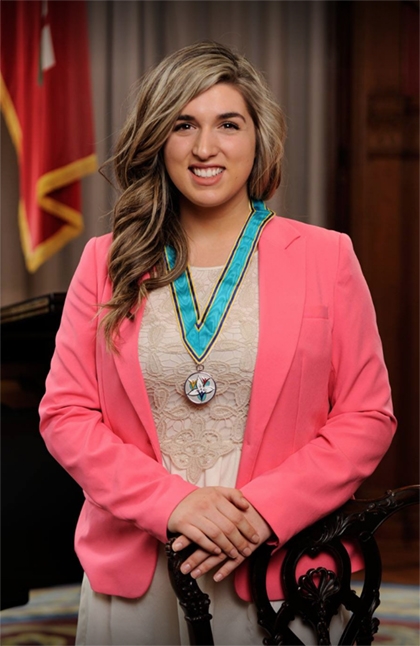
{"x": 316, "y": 595}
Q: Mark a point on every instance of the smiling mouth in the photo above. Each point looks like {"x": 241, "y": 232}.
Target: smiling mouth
{"x": 206, "y": 172}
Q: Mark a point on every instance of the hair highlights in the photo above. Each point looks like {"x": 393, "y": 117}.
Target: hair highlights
{"x": 146, "y": 213}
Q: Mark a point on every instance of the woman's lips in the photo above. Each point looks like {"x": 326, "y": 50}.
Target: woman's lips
{"x": 206, "y": 176}
{"x": 206, "y": 172}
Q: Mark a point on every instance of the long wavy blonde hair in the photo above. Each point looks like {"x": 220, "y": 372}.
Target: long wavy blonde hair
{"x": 146, "y": 214}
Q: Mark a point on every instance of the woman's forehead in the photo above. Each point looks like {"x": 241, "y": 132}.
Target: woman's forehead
{"x": 222, "y": 98}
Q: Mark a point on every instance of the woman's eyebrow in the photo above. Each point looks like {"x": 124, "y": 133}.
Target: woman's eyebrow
{"x": 185, "y": 117}
{"x": 232, "y": 115}
{"x": 225, "y": 115}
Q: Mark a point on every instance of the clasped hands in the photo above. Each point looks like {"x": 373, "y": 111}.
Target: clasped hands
{"x": 225, "y": 526}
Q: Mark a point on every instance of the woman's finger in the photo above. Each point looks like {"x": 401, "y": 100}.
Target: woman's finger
{"x": 211, "y": 562}
{"x": 201, "y": 562}
{"x": 227, "y": 568}
{"x": 180, "y": 543}
{"x": 236, "y": 525}
{"x": 208, "y": 518}
{"x": 209, "y": 537}
{"x": 199, "y": 558}
{"x": 264, "y": 531}
{"x": 235, "y": 496}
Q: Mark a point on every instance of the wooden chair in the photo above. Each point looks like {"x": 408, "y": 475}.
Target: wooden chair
{"x": 317, "y": 595}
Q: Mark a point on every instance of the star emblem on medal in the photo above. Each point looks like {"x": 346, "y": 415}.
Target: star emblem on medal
{"x": 200, "y": 388}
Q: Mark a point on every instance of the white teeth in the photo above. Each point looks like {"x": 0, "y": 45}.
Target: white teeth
{"x": 207, "y": 172}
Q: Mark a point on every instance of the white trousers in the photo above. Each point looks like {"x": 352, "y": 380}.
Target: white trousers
{"x": 156, "y": 619}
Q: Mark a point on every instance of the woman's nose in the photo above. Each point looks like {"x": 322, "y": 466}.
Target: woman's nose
{"x": 205, "y": 144}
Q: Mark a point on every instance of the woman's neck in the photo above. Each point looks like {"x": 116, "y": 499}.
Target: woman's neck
{"x": 211, "y": 233}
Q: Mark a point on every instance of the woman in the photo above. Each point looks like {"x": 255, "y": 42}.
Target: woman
{"x": 218, "y": 371}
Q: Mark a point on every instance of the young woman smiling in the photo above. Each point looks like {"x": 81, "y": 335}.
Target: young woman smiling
{"x": 218, "y": 372}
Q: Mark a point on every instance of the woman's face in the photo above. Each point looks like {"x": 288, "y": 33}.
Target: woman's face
{"x": 210, "y": 152}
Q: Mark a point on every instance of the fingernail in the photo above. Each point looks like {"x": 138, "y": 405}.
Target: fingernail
{"x": 233, "y": 553}
{"x": 217, "y": 550}
{"x": 196, "y": 574}
{"x": 255, "y": 538}
{"x": 185, "y": 568}
{"x": 246, "y": 551}
{"x": 177, "y": 546}
{"x": 218, "y": 577}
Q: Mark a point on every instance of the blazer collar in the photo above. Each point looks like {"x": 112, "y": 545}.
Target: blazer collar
{"x": 281, "y": 257}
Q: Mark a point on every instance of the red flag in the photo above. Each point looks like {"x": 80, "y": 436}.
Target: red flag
{"x": 46, "y": 102}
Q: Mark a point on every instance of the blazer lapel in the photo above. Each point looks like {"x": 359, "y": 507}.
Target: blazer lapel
{"x": 128, "y": 367}
{"x": 281, "y": 258}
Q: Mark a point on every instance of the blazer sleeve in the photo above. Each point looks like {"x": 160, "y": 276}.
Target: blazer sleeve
{"x": 326, "y": 472}
{"x": 118, "y": 477}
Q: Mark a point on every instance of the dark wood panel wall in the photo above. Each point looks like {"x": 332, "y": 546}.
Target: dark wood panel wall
{"x": 374, "y": 192}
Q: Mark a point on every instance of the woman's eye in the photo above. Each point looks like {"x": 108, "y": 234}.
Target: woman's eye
{"x": 229, "y": 125}
{"x": 182, "y": 126}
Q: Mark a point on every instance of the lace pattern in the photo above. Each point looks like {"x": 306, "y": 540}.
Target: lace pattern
{"x": 194, "y": 438}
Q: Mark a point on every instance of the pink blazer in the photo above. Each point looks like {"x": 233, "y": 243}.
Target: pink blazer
{"x": 320, "y": 416}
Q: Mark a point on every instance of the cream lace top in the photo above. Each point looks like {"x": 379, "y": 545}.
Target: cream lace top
{"x": 201, "y": 443}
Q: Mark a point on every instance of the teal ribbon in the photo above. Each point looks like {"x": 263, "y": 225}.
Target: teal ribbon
{"x": 200, "y": 331}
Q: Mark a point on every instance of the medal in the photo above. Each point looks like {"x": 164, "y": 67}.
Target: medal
{"x": 200, "y": 387}
{"x": 199, "y": 331}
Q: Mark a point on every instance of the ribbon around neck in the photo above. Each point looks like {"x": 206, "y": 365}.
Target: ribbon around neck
{"x": 199, "y": 331}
